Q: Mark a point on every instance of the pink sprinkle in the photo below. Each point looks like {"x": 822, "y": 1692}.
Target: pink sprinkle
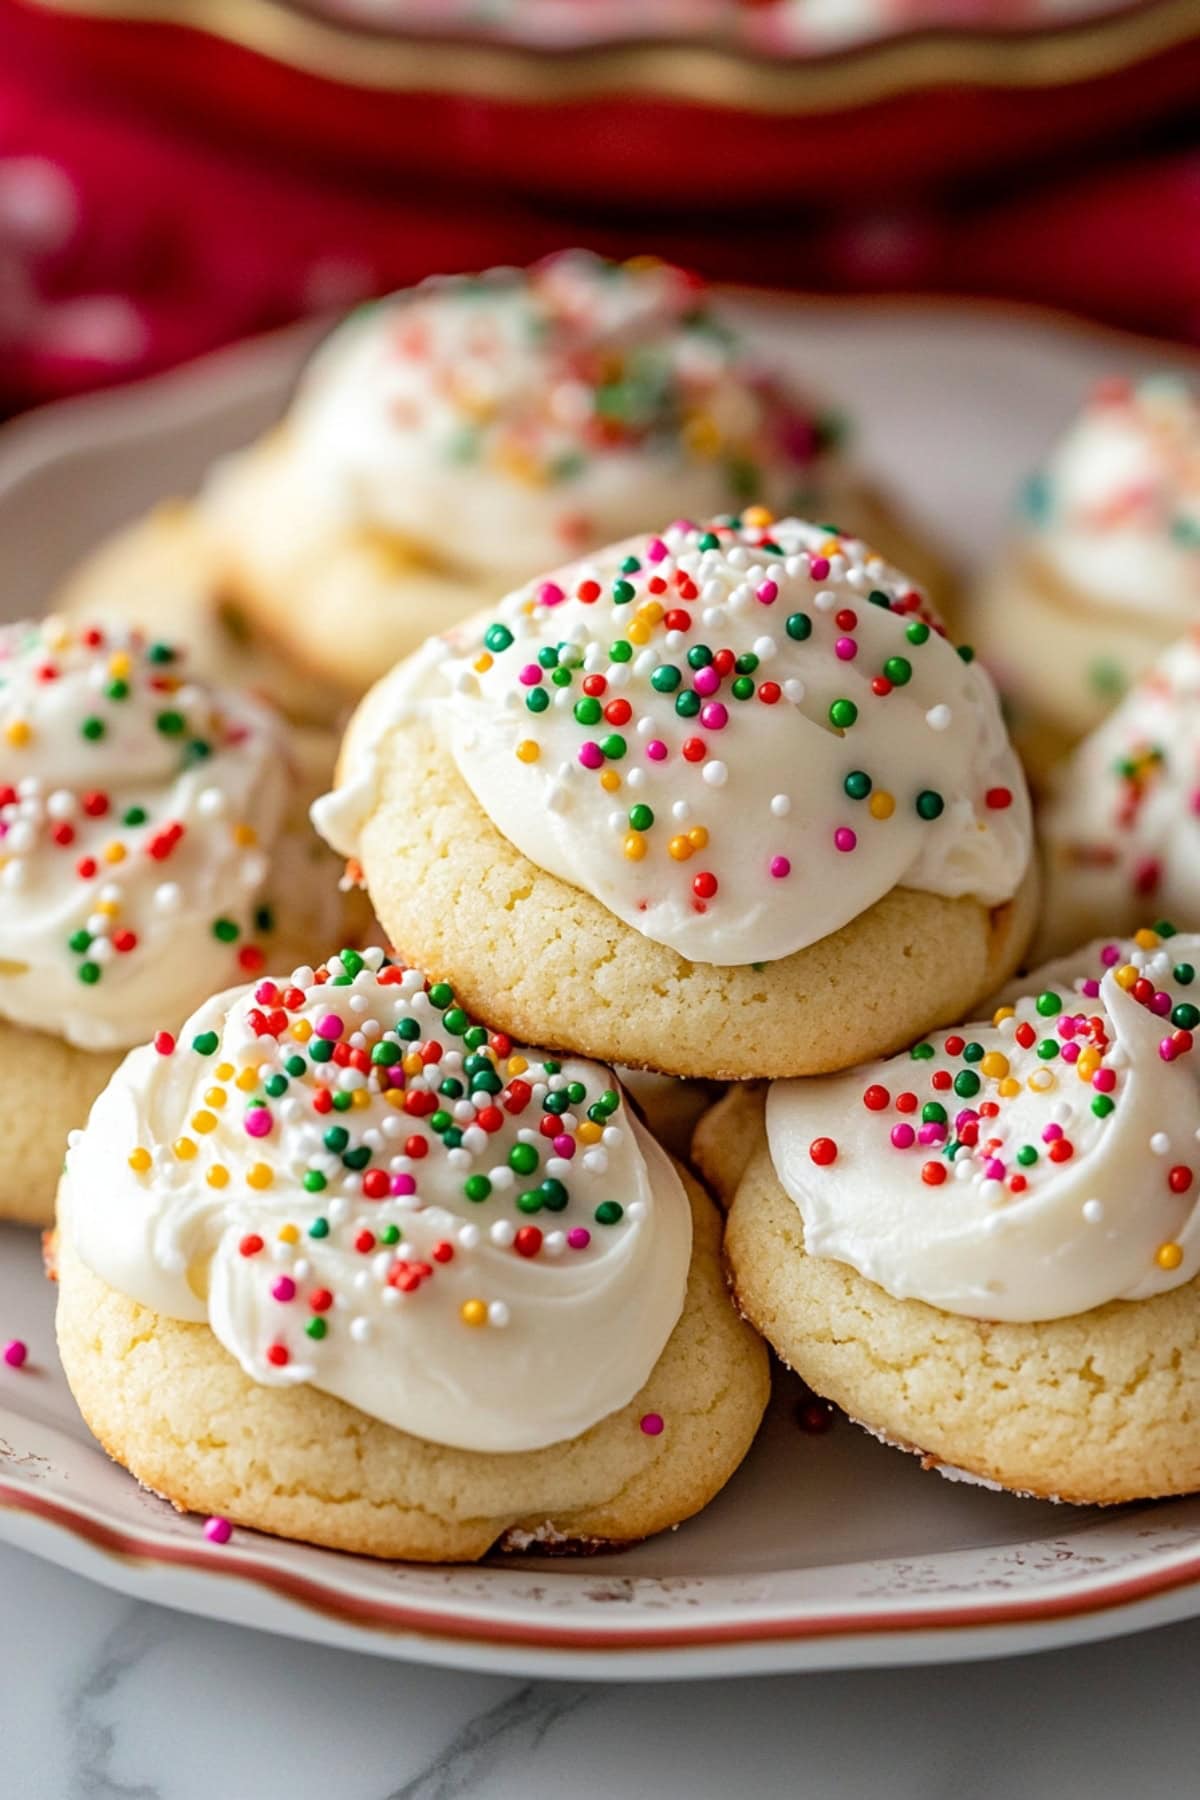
{"x": 1067, "y": 1026}
{"x": 591, "y": 755}
{"x": 656, "y": 750}
{"x": 706, "y": 680}
{"x": 968, "y": 1116}
{"x": 258, "y": 1122}
{"x": 767, "y": 593}
{"x": 1110, "y": 955}
{"x": 844, "y": 838}
{"x": 218, "y": 1530}
{"x": 1104, "y": 1081}
{"x": 330, "y": 1026}
{"x": 1167, "y": 1050}
{"x": 846, "y": 648}
{"x": 651, "y": 1424}
{"x": 1161, "y": 1004}
{"x": 1070, "y": 1053}
{"x": 903, "y": 1136}
{"x": 656, "y": 550}
{"x": 403, "y": 1184}
{"x": 550, "y": 594}
{"x": 283, "y": 1289}
{"x": 1051, "y": 1133}
{"x": 565, "y": 1147}
{"x": 780, "y": 867}
{"x": 579, "y": 1237}
{"x": 993, "y": 1168}
{"x": 15, "y": 1353}
{"x": 1195, "y": 800}
{"x": 818, "y": 568}
{"x": 266, "y": 993}
{"x": 931, "y": 1132}
{"x": 1091, "y": 988}
{"x": 714, "y": 716}
{"x": 530, "y": 675}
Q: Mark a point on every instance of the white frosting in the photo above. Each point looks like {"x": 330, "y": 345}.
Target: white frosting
{"x": 1116, "y": 511}
{"x": 567, "y": 1308}
{"x": 755, "y": 845}
{"x": 138, "y": 815}
{"x": 1122, "y": 827}
{"x": 1009, "y": 1227}
{"x": 553, "y": 408}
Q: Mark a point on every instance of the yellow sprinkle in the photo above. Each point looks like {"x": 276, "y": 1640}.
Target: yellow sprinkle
{"x": 610, "y": 781}
{"x": 650, "y": 612}
{"x": 680, "y": 848}
{"x": 218, "y": 1176}
{"x": 1145, "y": 939}
{"x": 473, "y": 1312}
{"x": 528, "y": 751}
{"x": 412, "y": 1064}
{"x": 224, "y": 1071}
{"x": 109, "y": 908}
{"x": 1008, "y": 1087}
{"x": 302, "y": 1030}
{"x": 360, "y": 1098}
{"x": 18, "y": 733}
{"x": 1041, "y": 1081}
{"x": 248, "y": 1080}
{"x": 119, "y": 665}
{"x": 757, "y": 516}
{"x": 702, "y": 436}
{"x": 184, "y": 1149}
{"x": 260, "y": 1175}
{"x": 882, "y": 804}
{"x": 995, "y": 1064}
{"x": 245, "y": 836}
{"x": 1089, "y": 1061}
{"x": 395, "y": 1098}
{"x": 698, "y": 837}
{"x": 1003, "y": 1012}
{"x": 1125, "y": 976}
{"x": 1169, "y": 1256}
{"x": 588, "y": 1132}
{"x": 483, "y": 662}
{"x": 637, "y": 632}
{"x": 204, "y": 1122}
{"x": 517, "y": 1065}
{"x": 216, "y": 1097}
{"x": 114, "y": 852}
{"x": 140, "y": 1160}
{"x": 289, "y": 1234}
{"x": 634, "y": 846}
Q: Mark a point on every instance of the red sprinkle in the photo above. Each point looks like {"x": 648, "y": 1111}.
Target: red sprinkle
{"x": 823, "y": 1151}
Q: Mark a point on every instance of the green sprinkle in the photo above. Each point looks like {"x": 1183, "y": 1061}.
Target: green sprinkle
{"x": 842, "y": 714}
{"x": 609, "y": 1212}
{"x": 623, "y": 592}
{"x": 922, "y": 1052}
{"x": 699, "y": 656}
{"x": 877, "y": 597}
{"x": 351, "y": 962}
{"x": 440, "y": 994}
{"x": 743, "y": 688}
{"x": 342, "y": 1102}
{"x": 857, "y": 784}
{"x": 276, "y": 1086}
{"x": 898, "y": 670}
{"x": 588, "y": 711}
{"x": 799, "y": 626}
{"x": 390, "y": 1234}
{"x": 933, "y": 1113}
{"x": 89, "y": 973}
{"x": 170, "y": 723}
{"x": 440, "y": 1121}
{"x": 665, "y": 679}
{"x": 295, "y": 1065}
{"x": 1048, "y": 1049}
{"x": 319, "y": 1227}
{"x": 930, "y": 805}
{"x": 320, "y": 1049}
{"x": 205, "y": 1043}
{"x": 917, "y": 632}
{"x": 621, "y": 651}
{"x": 966, "y": 653}
{"x": 1049, "y": 1004}
{"x": 523, "y": 1158}
{"x": 408, "y": 1029}
{"x": 1027, "y": 1155}
{"x": 358, "y": 1158}
{"x": 687, "y": 704}
{"x": 477, "y": 1187}
{"x": 1186, "y": 1016}
{"x": 134, "y": 815}
{"x": 336, "y": 1138}
{"x": 314, "y": 1183}
{"x": 554, "y": 1195}
{"x": 79, "y": 941}
{"x": 614, "y": 746}
{"x": 316, "y": 1327}
{"x": 966, "y": 1084}
{"x": 497, "y": 638}
{"x": 385, "y": 1053}
{"x": 537, "y": 700}
{"x": 455, "y": 1020}
{"x": 530, "y": 1201}
{"x": 1102, "y": 1105}
{"x": 641, "y": 818}
{"x": 226, "y": 931}
{"x": 93, "y": 729}
{"x": 972, "y": 1053}
{"x": 451, "y": 1089}
{"x": 117, "y": 690}
{"x": 160, "y": 653}
{"x": 1184, "y": 974}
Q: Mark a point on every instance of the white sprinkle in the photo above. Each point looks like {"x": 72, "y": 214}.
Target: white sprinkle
{"x": 781, "y": 806}
{"x": 498, "y": 1314}
{"x": 1160, "y": 1143}
{"x": 938, "y": 718}
{"x": 502, "y": 1232}
{"x": 1093, "y": 1211}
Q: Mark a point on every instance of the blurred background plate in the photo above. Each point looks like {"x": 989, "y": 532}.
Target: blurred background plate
{"x": 827, "y": 1549}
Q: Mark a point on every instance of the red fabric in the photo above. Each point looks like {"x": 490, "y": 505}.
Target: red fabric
{"x": 131, "y": 239}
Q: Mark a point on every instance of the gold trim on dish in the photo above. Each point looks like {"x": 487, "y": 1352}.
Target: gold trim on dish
{"x": 1052, "y": 56}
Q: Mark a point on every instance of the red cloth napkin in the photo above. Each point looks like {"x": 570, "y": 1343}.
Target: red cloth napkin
{"x": 128, "y": 244}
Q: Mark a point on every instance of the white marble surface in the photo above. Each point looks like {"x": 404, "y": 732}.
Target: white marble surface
{"x": 102, "y": 1698}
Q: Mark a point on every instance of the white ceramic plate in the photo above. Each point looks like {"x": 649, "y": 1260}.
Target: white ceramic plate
{"x": 824, "y": 1551}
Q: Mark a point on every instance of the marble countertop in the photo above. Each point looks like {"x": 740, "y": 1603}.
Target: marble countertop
{"x": 102, "y": 1698}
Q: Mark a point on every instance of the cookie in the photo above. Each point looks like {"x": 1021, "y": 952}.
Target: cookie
{"x": 723, "y": 802}
{"x": 1120, "y": 828}
{"x": 988, "y": 1250}
{"x": 546, "y": 410}
{"x": 153, "y": 846}
{"x": 476, "y": 1305}
{"x": 1104, "y": 569}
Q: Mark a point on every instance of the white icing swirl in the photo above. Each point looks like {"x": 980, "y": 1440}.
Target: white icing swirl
{"x": 1121, "y": 831}
{"x": 740, "y": 776}
{"x": 554, "y": 408}
{"x": 1115, "y": 514}
{"x": 349, "y": 1181}
{"x": 1030, "y": 1168}
{"x": 138, "y": 815}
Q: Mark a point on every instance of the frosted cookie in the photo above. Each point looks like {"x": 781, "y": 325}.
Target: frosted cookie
{"x": 1104, "y": 569}
{"x": 166, "y": 575}
{"x": 987, "y": 1250}
{"x": 1121, "y": 824}
{"x": 721, "y": 802}
{"x": 451, "y": 441}
{"x": 347, "y": 1266}
{"x": 153, "y": 847}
